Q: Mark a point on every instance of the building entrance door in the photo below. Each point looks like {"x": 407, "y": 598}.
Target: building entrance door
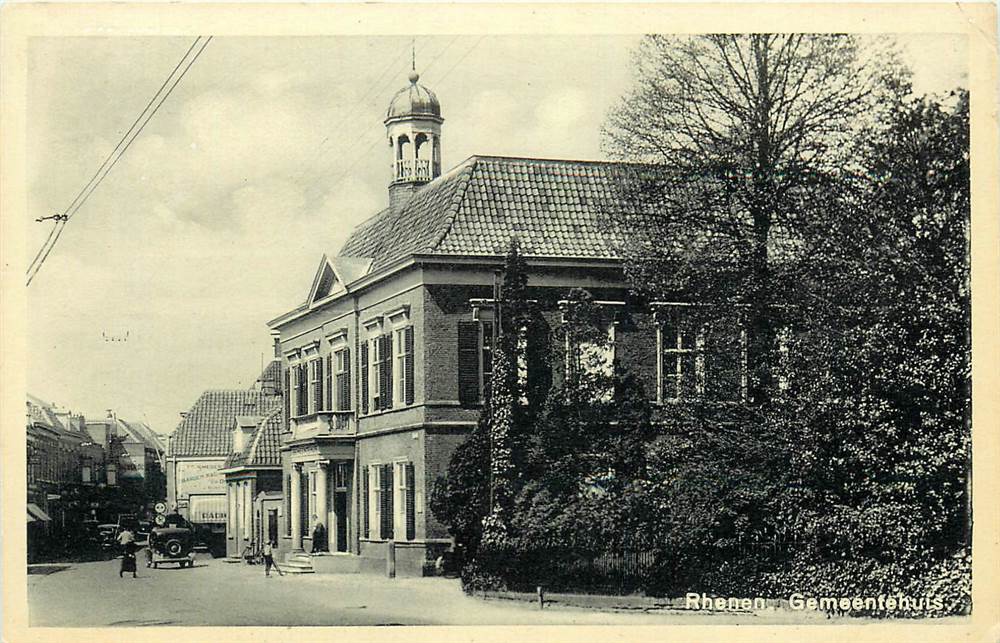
{"x": 272, "y": 525}
{"x": 340, "y": 513}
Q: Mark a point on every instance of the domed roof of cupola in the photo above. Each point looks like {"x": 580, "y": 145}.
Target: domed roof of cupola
{"x": 414, "y": 100}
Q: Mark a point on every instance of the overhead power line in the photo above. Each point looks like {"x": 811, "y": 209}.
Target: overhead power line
{"x": 60, "y": 220}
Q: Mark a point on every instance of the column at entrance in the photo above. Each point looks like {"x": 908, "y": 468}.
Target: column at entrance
{"x": 321, "y": 503}
{"x": 296, "y": 507}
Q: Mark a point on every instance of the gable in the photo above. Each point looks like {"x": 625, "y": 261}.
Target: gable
{"x": 327, "y": 281}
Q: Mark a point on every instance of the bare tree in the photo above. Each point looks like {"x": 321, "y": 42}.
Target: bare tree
{"x": 738, "y": 140}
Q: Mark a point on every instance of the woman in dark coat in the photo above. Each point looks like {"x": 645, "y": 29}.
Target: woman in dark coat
{"x": 128, "y": 558}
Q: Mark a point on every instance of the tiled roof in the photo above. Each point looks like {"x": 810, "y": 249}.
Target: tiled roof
{"x": 263, "y": 448}
{"x": 556, "y": 208}
{"x": 141, "y": 432}
{"x": 416, "y": 227}
{"x": 271, "y": 375}
{"x": 205, "y": 430}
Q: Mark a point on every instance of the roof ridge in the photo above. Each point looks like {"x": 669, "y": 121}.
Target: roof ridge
{"x": 261, "y": 427}
{"x": 498, "y": 157}
{"x": 456, "y": 202}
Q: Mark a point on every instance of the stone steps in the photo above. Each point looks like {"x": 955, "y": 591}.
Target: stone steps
{"x": 298, "y": 564}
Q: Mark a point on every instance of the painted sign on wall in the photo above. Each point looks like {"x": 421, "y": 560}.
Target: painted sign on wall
{"x": 200, "y": 477}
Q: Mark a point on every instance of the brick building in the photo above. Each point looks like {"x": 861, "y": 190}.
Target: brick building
{"x": 203, "y": 442}
{"x": 387, "y": 360}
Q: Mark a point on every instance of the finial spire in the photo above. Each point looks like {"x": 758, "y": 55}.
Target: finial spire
{"x": 413, "y": 52}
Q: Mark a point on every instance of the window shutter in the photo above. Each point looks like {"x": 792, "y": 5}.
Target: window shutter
{"x": 286, "y": 394}
{"x": 380, "y": 369}
{"x": 387, "y": 361}
{"x": 411, "y": 519}
{"x": 345, "y": 383}
{"x": 365, "y": 500}
{"x": 318, "y": 391}
{"x": 304, "y": 501}
{"x": 303, "y": 389}
{"x": 386, "y": 501}
{"x": 364, "y": 377}
{"x": 288, "y": 505}
{"x": 468, "y": 363}
{"x": 329, "y": 382}
{"x": 408, "y": 340}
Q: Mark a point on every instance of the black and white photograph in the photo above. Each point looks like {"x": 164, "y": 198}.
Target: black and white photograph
{"x": 485, "y": 327}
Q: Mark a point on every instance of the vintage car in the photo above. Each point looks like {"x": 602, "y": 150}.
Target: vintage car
{"x": 170, "y": 544}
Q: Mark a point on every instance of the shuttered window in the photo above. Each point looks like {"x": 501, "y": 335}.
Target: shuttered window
{"x": 486, "y": 357}
{"x": 288, "y": 505}
{"x": 316, "y": 385}
{"x": 410, "y": 496}
{"x": 408, "y": 365}
{"x": 343, "y": 379}
{"x": 404, "y": 365}
{"x": 365, "y": 501}
{"x": 303, "y": 389}
{"x": 286, "y": 399}
{"x": 385, "y": 502}
{"x": 468, "y": 363}
{"x": 385, "y": 374}
{"x": 329, "y": 383}
{"x": 364, "y": 377}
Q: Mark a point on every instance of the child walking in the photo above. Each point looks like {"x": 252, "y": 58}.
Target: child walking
{"x": 269, "y": 559}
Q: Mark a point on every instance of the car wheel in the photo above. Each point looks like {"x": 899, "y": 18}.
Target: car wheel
{"x": 174, "y": 547}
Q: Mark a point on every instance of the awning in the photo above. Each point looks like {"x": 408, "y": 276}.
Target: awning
{"x": 207, "y": 509}
{"x": 35, "y": 513}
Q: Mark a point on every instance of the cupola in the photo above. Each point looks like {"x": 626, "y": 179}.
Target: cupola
{"x": 413, "y": 126}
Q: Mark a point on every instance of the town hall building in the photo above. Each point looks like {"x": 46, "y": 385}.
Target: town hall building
{"x": 387, "y": 360}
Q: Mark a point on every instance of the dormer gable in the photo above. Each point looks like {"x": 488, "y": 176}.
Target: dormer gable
{"x": 334, "y": 274}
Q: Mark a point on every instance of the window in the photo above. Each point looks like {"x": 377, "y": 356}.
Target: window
{"x": 342, "y": 383}
{"x": 485, "y": 357}
{"x": 379, "y": 517}
{"x": 595, "y": 357}
{"x": 315, "y": 386}
{"x": 301, "y": 390}
{"x": 375, "y": 379}
{"x": 288, "y": 505}
{"x": 700, "y": 358}
{"x": 404, "y": 365}
{"x": 312, "y": 501}
{"x": 681, "y": 363}
{"x": 247, "y": 511}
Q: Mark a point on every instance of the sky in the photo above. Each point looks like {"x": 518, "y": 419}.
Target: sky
{"x": 264, "y": 157}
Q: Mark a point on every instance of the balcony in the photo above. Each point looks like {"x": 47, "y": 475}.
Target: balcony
{"x": 413, "y": 170}
{"x": 324, "y": 424}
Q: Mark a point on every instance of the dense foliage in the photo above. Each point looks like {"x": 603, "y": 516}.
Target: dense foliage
{"x": 841, "y": 467}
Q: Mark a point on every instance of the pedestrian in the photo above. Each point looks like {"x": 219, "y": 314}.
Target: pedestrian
{"x": 127, "y": 540}
{"x": 319, "y": 536}
{"x": 269, "y": 559}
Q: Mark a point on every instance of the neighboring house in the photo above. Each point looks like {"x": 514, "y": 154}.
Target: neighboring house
{"x": 387, "y": 361}
{"x": 253, "y": 481}
{"x": 61, "y": 457}
{"x": 196, "y": 486}
{"x": 135, "y": 453}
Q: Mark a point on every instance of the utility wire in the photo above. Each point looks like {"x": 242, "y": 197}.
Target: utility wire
{"x": 60, "y": 220}
{"x": 135, "y": 122}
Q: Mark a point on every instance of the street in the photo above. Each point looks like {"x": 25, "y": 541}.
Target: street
{"x": 218, "y": 593}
